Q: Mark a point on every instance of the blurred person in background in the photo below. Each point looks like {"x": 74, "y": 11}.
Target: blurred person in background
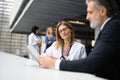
{"x": 34, "y": 40}
{"x": 50, "y": 37}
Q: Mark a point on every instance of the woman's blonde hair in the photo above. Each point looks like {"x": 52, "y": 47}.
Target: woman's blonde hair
{"x": 59, "y": 40}
{"x": 48, "y": 32}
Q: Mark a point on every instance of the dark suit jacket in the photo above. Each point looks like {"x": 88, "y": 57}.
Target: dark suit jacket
{"x": 104, "y": 60}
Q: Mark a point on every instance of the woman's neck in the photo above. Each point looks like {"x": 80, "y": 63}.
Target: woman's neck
{"x": 66, "y": 43}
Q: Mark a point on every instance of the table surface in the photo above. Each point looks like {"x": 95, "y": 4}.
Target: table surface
{"x": 14, "y": 67}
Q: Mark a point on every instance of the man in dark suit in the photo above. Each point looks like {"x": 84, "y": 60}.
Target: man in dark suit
{"x": 104, "y": 60}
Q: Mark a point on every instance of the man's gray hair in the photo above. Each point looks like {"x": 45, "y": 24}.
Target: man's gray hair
{"x": 111, "y": 6}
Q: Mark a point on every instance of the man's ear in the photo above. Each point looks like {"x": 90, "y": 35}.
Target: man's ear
{"x": 103, "y": 11}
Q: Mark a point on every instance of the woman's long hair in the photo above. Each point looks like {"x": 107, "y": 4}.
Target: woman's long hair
{"x": 60, "y": 41}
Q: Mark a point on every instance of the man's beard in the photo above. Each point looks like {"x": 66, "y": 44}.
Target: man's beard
{"x": 95, "y": 23}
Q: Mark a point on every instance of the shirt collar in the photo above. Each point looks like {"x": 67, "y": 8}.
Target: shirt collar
{"x": 104, "y": 23}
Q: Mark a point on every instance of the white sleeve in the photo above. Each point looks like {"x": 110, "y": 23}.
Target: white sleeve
{"x": 83, "y": 52}
{"x": 57, "y": 64}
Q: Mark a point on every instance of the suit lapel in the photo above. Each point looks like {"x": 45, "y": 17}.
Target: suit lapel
{"x": 102, "y": 30}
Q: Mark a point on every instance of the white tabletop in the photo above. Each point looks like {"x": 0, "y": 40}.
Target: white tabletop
{"x": 18, "y": 68}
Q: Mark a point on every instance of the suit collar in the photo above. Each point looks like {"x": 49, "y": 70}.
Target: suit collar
{"x": 104, "y": 23}
{"x": 103, "y": 28}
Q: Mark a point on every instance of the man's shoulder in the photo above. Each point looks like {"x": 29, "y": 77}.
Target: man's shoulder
{"x": 113, "y": 23}
{"x": 115, "y": 19}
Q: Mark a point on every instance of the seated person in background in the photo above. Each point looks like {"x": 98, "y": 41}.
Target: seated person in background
{"x": 50, "y": 37}
{"x": 65, "y": 46}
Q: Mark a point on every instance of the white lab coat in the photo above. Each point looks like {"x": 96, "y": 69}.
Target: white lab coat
{"x": 32, "y": 40}
{"x": 76, "y": 52}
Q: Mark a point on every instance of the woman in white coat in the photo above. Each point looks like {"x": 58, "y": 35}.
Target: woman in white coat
{"x": 34, "y": 39}
{"x": 65, "y": 46}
